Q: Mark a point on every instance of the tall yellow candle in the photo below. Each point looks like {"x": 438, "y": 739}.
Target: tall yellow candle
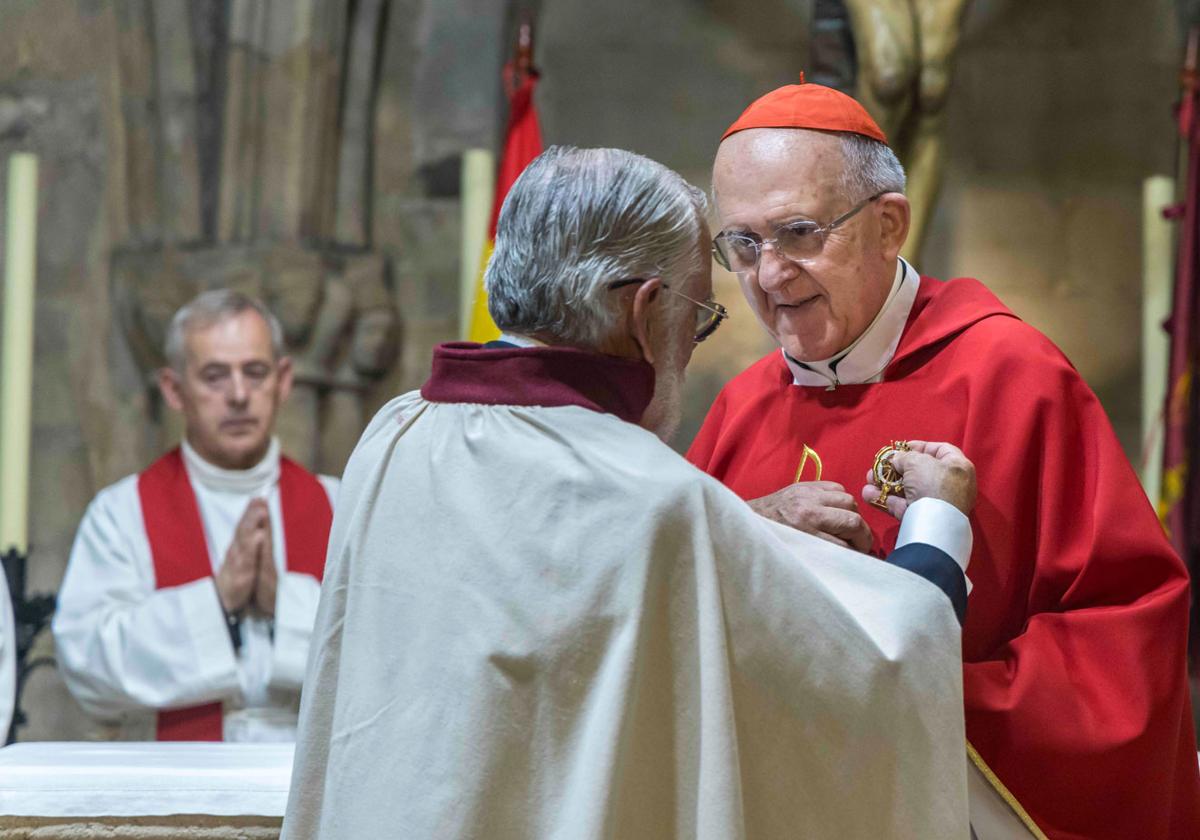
{"x": 16, "y": 375}
{"x": 478, "y": 186}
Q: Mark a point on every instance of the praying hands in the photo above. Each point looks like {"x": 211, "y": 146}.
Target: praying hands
{"x": 248, "y": 577}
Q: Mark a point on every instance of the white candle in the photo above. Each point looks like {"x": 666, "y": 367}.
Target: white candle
{"x": 16, "y": 375}
{"x": 478, "y": 185}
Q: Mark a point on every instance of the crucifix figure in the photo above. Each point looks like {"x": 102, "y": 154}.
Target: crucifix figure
{"x": 905, "y": 52}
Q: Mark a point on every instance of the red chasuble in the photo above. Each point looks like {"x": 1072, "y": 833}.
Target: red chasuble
{"x": 180, "y": 553}
{"x": 1074, "y": 644}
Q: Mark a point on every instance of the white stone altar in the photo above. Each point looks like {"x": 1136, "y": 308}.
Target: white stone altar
{"x": 143, "y": 791}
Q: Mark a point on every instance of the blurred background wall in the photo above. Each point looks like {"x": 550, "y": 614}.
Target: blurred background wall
{"x": 340, "y": 199}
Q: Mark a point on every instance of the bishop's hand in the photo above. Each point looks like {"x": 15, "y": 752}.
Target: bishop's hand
{"x": 267, "y": 579}
{"x": 240, "y": 569}
{"x": 929, "y": 470}
{"x": 821, "y": 508}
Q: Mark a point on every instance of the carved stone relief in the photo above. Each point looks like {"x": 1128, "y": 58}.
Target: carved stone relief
{"x": 277, "y": 203}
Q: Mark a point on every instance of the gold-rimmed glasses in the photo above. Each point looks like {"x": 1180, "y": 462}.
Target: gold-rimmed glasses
{"x": 709, "y": 315}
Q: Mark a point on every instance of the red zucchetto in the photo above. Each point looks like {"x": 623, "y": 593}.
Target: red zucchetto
{"x": 808, "y": 106}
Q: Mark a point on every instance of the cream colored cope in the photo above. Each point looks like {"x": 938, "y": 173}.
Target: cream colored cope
{"x": 542, "y": 622}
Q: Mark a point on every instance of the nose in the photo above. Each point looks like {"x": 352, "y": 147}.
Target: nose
{"x": 239, "y": 392}
{"x": 775, "y": 271}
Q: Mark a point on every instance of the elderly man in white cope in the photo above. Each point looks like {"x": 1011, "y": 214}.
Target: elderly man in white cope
{"x": 191, "y": 590}
{"x": 540, "y": 621}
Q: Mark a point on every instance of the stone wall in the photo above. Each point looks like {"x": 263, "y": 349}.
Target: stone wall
{"x": 1056, "y": 113}
{"x": 137, "y": 211}
{"x": 55, "y": 66}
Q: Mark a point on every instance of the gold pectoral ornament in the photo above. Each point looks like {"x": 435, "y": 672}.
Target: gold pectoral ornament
{"x": 810, "y": 454}
{"x": 885, "y": 476}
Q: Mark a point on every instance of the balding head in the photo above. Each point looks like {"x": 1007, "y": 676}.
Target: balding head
{"x": 866, "y": 166}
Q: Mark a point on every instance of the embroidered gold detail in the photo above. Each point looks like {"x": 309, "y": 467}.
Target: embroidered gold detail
{"x": 1007, "y": 796}
{"x": 809, "y": 454}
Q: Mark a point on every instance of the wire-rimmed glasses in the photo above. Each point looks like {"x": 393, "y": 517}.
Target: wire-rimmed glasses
{"x": 800, "y": 241}
{"x": 708, "y": 315}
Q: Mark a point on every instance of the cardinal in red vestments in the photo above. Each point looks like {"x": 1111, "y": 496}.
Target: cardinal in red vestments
{"x": 1077, "y": 705}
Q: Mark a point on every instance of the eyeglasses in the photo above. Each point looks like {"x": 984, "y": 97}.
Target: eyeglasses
{"x": 799, "y": 241}
{"x": 708, "y": 315}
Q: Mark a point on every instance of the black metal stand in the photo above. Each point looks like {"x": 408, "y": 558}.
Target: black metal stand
{"x": 30, "y": 615}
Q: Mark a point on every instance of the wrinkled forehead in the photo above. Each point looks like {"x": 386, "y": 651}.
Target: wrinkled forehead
{"x": 229, "y": 339}
{"x": 778, "y": 150}
{"x": 777, "y": 159}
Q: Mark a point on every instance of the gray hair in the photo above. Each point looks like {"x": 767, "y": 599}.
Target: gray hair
{"x": 209, "y": 308}
{"x": 578, "y": 219}
{"x": 871, "y": 167}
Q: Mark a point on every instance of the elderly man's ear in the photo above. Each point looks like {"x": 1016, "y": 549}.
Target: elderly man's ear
{"x": 895, "y": 215}
{"x": 641, "y": 320}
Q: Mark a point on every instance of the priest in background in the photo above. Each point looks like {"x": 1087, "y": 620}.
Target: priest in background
{"x": 539, "y": 621}
{"x": 1077, "y": 703}
{"x": 189, "y": 597}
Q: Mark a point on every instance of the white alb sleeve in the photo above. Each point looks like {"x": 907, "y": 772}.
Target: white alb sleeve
{"x": 123, "y": 645}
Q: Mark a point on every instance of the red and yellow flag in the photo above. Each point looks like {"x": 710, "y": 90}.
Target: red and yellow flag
{"x": 522, "y": 143}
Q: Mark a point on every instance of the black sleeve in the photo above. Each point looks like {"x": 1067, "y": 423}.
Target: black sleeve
{"x": 937, "y": 567}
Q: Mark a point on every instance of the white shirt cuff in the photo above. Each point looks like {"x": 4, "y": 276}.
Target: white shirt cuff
{"x": 941, "y": 525}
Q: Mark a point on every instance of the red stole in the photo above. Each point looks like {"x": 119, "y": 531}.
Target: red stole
{"x": 171, "y": 517}
{"x": 1074, "y": 645}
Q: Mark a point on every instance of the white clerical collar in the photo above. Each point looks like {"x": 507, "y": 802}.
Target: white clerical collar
{"x": 256, "y": 480}
{"x": 867, "y": 357}
{"x": 522, "y": 340}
